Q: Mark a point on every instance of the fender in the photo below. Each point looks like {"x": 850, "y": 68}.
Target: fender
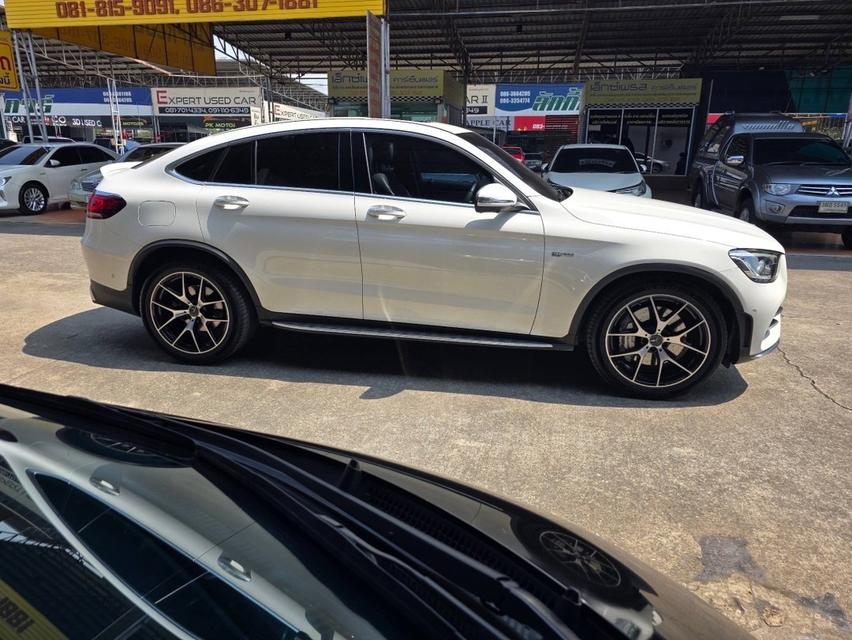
{"x": 147, "y": 250}
{"x": 742, "y": 319}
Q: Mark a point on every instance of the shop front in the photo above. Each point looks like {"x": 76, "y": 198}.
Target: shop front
{"x": 84, "y": 114}
{"x": 654, "y": 118}
{"x": 184, "y": 114}
{"x": 419, "y": 95}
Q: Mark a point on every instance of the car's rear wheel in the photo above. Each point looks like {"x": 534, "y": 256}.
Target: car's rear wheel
{"x": 197, "y": 313}
{"x": 655, "y": 340}
{"x": 32, "y": 199}
{"x": 846, "y": 237}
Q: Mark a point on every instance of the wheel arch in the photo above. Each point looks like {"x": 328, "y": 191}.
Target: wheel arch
{"x": 738, "y": 321}
{"x": 745, "y": 194}
{"x": 157, "y": 253}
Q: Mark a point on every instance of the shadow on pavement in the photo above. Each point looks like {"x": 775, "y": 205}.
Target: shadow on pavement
{"x": 109, "y": 339}
{"x": 39, "y": 229}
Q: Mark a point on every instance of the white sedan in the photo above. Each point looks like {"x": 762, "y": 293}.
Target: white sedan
{"x": 33, "y": 176}
{"x": 603, "y": 167}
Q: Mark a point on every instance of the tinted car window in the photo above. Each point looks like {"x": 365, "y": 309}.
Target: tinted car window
{"x": 301, "y": 161}
{"x": 709, "y": 135}
{"x": 27, "y": 154}
{"x": 715, "y": 142}
{"x": 93, "y": 155}
{"x": 412, "y": 167}
{"x": 66, "y": 156}
{"x": 737, "y": 147}
{"x": 236, "y": 165}
{"x": 795, "y": 150}
{"x": 593, "y": 160}
{"x": 201, "y": 167}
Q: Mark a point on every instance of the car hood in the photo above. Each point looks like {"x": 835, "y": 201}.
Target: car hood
{"x": 598, "y": 181}
{"x": 44, "y": 437}
{"x": 658, "y": 216}
{"x": 811, "y": 173}
{"x": 12, "y": 169}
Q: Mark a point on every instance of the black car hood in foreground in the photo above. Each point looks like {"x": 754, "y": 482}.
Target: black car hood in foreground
{"x": 117, "y": 523}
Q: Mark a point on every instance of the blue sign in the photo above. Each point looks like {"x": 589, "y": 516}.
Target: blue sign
{"x": 126, "y": 96}
{"x": 539, "y": 99}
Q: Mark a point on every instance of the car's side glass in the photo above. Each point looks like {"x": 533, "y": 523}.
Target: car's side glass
{"x": 67, "y": 156}
{"x": 709, "y": 135}
{"x": 413, "y": 167}
{"x": 299, "y": 161}
{"x": 737, "y": 147}
{"x": 236, "y": 165}
{"x": 200, "y": 168}
{"x": 91, "y": 155}
{"x": 717, "y": 140}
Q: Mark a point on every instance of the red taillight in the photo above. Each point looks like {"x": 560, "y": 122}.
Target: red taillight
{"x": 104, "y": 205}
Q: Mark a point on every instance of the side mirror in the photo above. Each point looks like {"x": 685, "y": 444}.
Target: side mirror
{"x": 53, "y": 163}
{"x": 544, "y": 167}
{"x": 734, "y": 161}
{"x": 495, "y": 197}
{"x": 643, "y": 168}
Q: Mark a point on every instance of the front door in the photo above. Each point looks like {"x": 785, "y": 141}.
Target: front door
{"x": 729, "y": 177}
{"x": 428, "y": 257}
{"x": 283, "y": 207}
{"x": 59, "y": 177}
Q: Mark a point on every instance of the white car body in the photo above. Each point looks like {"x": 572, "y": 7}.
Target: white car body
{"x": 528, "y": 276}
{"x": 599, "y": 181}
{"x": 55, "y": 180}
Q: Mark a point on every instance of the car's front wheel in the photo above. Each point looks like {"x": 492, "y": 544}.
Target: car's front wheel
{"x": 655, "y": 340}
{"x": 32, "y": 199}
{"x": 197, "y": 313}
{"x": 698, "y": 196}
{"x": 746, "y": 212}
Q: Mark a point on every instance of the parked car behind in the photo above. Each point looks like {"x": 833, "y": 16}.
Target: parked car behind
{"x": 452, "y": 240}
{"x": 652, "y": 164}
{"x": 603, "y": 167}
{"x": 32, "y": 176}
{"x": 800, "y": 181}
{"x": 50, "y": 140}
{"x": 516, "y": 152}
{"x": 719, "y": 134}
{"x": 83, "y": 187}
{"x": 6, "y": 143}
{"x": 534, "y": 161}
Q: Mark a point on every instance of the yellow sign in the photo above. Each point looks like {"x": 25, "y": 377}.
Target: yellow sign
{"x": 8, "y": 70}
{"x": 653, "y": 92}
{"x": 186, "y": 46}
{"x": 409, "y": 83}
{"x": 33, "y": 14}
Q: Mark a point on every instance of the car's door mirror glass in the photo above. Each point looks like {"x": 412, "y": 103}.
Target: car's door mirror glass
{"x": 495, "y": 197}
{"x": 53, "y": 163}
{"x": 734, "y": 161}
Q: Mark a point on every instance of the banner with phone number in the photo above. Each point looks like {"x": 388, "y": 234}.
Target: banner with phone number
{"x": 33, "y": 14}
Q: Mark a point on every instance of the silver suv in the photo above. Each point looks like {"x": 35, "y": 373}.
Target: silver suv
{"x": 800, "y": 181}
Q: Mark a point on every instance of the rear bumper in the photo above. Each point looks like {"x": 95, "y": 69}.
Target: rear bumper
{"x": 121, "y": 300}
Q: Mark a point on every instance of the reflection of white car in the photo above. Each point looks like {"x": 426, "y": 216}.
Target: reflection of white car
{"x": 32, "y": 176}
{"x": 603, "y": 167}
{"x": 83, "y": 187}
{"x": 654, "y": 165}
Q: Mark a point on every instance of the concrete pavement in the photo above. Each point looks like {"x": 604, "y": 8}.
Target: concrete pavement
{"x": 739, "y": 490}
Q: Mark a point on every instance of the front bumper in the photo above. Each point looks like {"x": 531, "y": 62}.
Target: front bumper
{"x": 767, "y": 344}
{"x": 801, "y": 211}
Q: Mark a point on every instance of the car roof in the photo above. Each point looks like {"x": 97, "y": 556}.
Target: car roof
{"x": 594, "y": 145}
{"x": 785, "y": 134}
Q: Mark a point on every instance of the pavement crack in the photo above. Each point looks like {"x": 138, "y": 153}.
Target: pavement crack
{"x": 813, "y": 382}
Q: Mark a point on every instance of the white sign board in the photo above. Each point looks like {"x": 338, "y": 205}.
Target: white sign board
{"x": 205, "y": 101}
{"x": 480, "y": 100}
{"x": 289, "y": 112}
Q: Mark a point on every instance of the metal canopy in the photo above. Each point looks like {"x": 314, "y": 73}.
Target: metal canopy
{"x": 551, "y": 40}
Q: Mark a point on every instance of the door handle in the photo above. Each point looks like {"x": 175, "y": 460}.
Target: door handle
{"x": 231, "y": 203}
{"x": 385, "y": 212}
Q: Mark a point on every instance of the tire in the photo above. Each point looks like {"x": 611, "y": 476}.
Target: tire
{"x": 32, "y": 199}
{"x": 698, "y": 196}
{"x": 637, "y": 361}
{"x": 208, "y": 323}
{"x": 746, "y": 211}
{"x": 846, "y": 237}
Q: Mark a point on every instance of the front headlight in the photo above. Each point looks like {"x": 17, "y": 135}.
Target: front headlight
{"x": 778, "y": 188}
{"x": 635, "y": 190}
{"x": 759, "y": 265}
{"x": 4, "y": 181}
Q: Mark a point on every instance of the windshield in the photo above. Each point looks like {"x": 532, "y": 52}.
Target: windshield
{"x": 516, "y": 168}
{"x": 26, "y": 154}
{"x": 593, "y": 160}
{"x": 798, "y": 150}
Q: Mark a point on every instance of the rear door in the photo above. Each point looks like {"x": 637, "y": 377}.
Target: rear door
{"x": 429, "y": 258}
{"x": 728, "y": 177}
{"x": 282, "y": 206}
